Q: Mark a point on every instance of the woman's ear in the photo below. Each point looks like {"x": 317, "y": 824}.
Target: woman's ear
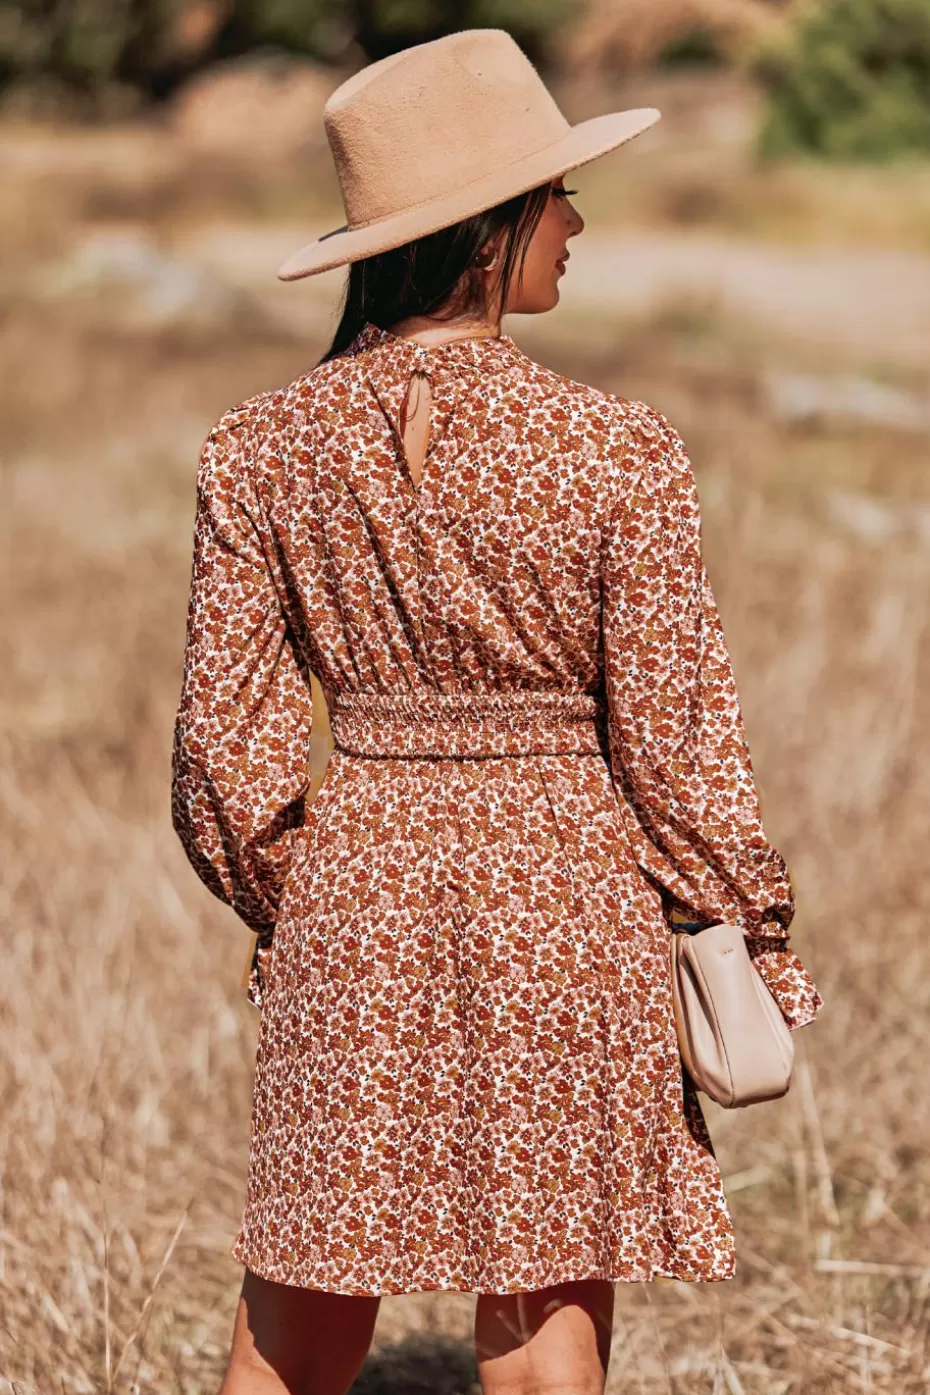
{"x": 487, "y": 258}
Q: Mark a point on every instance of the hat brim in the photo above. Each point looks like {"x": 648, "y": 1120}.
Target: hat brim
{"x": 581, "y": 143}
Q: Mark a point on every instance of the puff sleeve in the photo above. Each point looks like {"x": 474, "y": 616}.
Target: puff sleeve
{"x": 240, "y": 758}
{"x": 678, "y": 752}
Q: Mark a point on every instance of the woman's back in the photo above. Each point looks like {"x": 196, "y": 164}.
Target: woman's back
{"x": 539, "y": 752}
{"x": 486, "y": 574}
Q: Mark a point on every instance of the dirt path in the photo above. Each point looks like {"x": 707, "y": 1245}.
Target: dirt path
{"x": 873, "y": 306}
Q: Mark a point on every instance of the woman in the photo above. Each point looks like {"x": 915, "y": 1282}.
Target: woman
{"x": 468, "y": 1076}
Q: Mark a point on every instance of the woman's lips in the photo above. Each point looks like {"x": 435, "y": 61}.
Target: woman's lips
{"x": 562, "y": 260}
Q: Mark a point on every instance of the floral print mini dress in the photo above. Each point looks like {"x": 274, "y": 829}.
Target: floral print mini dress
{"x": 468, "y": 1076}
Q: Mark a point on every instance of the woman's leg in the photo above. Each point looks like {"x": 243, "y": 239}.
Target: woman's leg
{"x": 297, "y": 1341}
{"x": 553, "y": 1341}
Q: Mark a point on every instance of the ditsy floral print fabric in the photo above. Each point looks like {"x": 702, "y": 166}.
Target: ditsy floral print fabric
{"x": 468, "y": 1076}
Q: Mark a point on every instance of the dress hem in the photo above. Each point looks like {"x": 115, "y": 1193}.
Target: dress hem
{"x": 272, "y": 1274}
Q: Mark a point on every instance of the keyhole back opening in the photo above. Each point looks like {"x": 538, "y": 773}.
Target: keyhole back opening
{"x": 414, "y": 425}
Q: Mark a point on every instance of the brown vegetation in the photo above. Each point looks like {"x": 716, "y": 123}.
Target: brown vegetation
{"x": 633, "y": 33}
{"x": 126, "y": 1045}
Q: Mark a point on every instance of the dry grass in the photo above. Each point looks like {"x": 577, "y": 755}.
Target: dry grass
{"x": 125, "y": 1043}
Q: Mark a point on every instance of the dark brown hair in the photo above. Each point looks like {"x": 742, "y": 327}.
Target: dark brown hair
{"x": 439, "y": 272}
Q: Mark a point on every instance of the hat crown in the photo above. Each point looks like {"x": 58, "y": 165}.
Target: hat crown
{"x": 433, "y": 119}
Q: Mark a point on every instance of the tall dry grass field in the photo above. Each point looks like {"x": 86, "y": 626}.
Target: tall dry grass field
{"x": 126, "y": 1046}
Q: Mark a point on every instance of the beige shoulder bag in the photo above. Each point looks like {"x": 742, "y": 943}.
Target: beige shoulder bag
{"x": 734, "y": 1041}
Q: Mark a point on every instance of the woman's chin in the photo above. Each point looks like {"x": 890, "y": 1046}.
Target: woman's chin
{"x": 536, "y": 304}
{"x": 551, "y": 297}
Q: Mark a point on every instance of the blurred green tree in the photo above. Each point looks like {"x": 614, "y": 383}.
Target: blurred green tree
{"x": 850, "y": 80}
{"x": 384, "y": 26}
{"x": 92, "y": 48}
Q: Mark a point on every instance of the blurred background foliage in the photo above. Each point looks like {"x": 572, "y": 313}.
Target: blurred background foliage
{"x": 94, "y": 48}
{"x": 844, "y": 78}
{"x": 850, "y": 79}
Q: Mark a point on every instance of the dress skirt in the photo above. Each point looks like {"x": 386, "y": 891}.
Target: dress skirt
{"x": 468, "y": 1076}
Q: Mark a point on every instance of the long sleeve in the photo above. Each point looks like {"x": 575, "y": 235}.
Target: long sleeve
{"x": 678, "y": 750}
{"x": 240, "y": 762}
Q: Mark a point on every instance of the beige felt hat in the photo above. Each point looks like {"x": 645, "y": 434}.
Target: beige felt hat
{"x": 442, "y": 131}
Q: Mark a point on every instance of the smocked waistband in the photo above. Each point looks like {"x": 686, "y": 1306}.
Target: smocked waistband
{"x": 449, "y": 725}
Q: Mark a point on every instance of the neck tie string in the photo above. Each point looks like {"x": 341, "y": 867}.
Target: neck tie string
{"x": 404, "y": 406}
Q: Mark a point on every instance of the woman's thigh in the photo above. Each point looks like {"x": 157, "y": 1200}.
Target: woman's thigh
{"x": 297, "y": 1341}
{"x": 551, "y": 1340}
